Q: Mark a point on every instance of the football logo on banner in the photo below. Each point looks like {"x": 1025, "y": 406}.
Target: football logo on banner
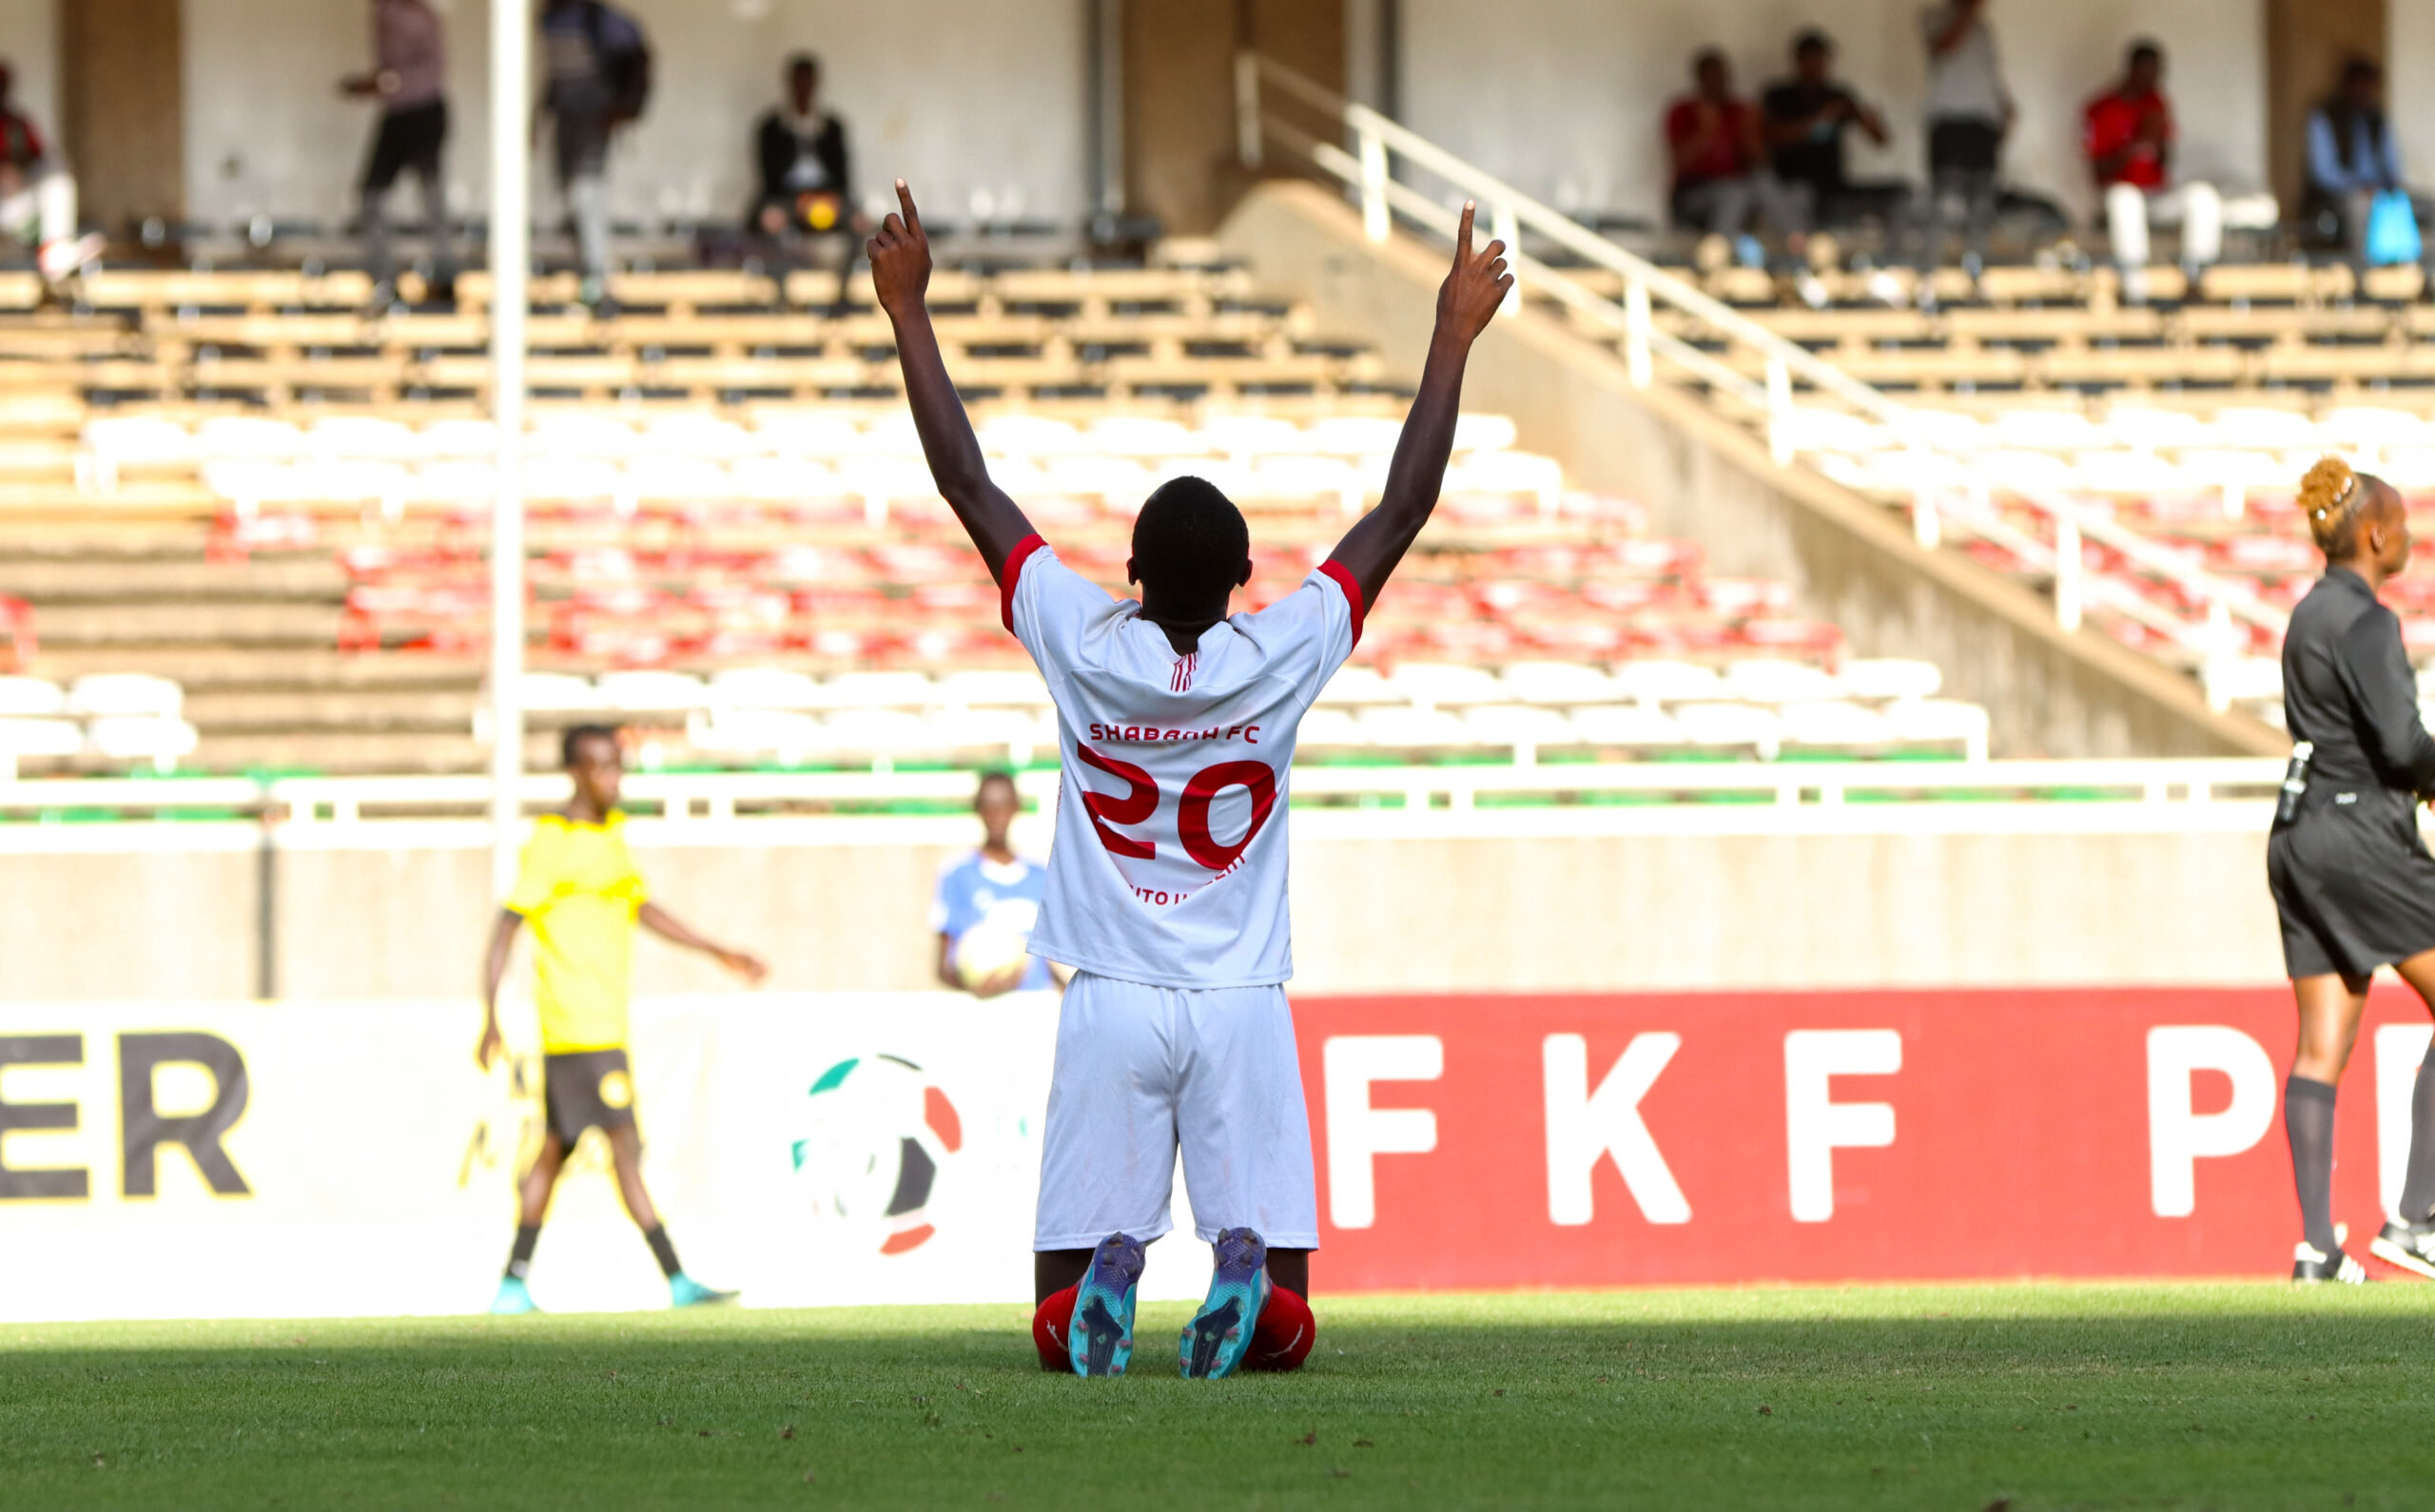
{"x": 879, "y": 1131}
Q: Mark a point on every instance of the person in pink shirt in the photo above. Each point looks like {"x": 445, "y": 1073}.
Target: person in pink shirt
{"x": 409, "y": 78}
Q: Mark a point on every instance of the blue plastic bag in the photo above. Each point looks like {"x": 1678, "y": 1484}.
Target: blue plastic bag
{"x": 2392, "y": 229}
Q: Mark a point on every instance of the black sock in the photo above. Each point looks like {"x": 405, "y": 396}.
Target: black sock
{"x": 519, "y": 1260}
{"x": 2418, "y": 1186}
{"x": 2307, "y": 1118}
{"x": 665, "y": 1252}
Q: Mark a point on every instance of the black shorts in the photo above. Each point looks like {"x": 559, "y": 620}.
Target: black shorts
{"x": 2354, "y": 883}
{"x": 588, "y": 1089}
{"x": 1960, "y": 146}
{"x": 410, "y": 138}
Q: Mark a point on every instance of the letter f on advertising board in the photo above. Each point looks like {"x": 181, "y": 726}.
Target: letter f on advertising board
{"x": 1356, "y": 1132}
{"x": 1816, "y": 1125}
{"x": 1583, "y": 1125}
{"x": 2178, "y": 1136}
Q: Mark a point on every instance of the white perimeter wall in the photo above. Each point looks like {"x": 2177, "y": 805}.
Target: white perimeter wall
{"x": 958, "y": 97}
{"x": 1566, "y": 97}
{"x": 2410, "y": 89}
{"x": 29, "y": 40}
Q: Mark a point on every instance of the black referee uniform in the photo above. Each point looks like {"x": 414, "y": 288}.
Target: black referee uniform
{"x": 2353, "y": 879}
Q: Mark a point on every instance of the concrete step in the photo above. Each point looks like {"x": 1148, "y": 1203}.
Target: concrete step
{"x": 149, "y": 579}
{"x": 358, "y": 752}
{"x": 407, "y": 711}
{"x": 303, "y": 625}
{"x": 273, "y": 668}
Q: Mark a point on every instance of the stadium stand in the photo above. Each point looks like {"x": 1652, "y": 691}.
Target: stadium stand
{"x": 234, "y": 481}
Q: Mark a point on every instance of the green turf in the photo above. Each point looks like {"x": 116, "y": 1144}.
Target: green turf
{"x": 2226, "y": 1397}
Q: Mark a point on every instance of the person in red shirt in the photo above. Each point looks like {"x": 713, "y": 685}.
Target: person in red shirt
{"x": 2128, "y": 134}
{"x": 1718, "y": 149}
{"x": 37, "y": 196}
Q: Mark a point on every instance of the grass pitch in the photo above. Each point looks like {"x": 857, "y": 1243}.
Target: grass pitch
{"x": 2018, "y": 1397}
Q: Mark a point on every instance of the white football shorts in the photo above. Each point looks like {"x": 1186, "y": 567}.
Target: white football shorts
{"x": 1142, "y": 1071}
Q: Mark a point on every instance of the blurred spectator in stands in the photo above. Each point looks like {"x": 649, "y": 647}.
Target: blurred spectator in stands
{"x": 1969, "y": 112}
{"x": 1806, "y": 117}
{"x": 2128, "y": 134}
{"x": 1720, "y": 159}
{"x": 598, "y": 77}
{"x": 409, "y": 71}
{"x": 806, "y": 176}
{"x": 37, "y": 194}
{"x": 2352, "y": 159}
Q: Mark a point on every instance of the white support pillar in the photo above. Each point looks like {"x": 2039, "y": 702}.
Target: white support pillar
{"x": 1377, "y": 222}
{"x": 510, "y": 260}
{"x": 1637, "y": 323}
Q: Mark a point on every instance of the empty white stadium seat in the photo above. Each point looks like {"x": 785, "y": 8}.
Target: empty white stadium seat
{"x": 558, "y": 693}
{"x": 30, "y": 698}
{"x": 764, "y": 687}
{"x": 651, "y": 691}
{"x": 125, "y": 695}
{"x": 1766, "y": 680}
{"x": 158, "y": 740}
{"x": 1891, "y": 677}
{"x": 1559, "y": 683}
{"x": 1665, "y": 682}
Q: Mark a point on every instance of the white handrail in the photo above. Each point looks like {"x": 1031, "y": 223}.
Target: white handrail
{"x": 322, "y": 803}
{"x": 1367, "y": 171}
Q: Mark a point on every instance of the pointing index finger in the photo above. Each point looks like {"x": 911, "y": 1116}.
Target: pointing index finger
{"x": 905, "y": 198}
{"x": 1463, "y": 235}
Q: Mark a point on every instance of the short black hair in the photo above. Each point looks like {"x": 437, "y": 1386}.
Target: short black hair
{"x": 2145, "y": 50}
{"x": 2360, "y": 69}
{"x": 802, "y": 60}
{"x": 993, "y": 774}
{"x": 1190, "y": 540}
{"x": 577, "y": 734}
{"x": 1701, "y": 59}
{"x": 1812, "y": 39}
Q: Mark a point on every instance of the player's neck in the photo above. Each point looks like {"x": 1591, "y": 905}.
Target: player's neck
{"x": 582, "y": 811}
{"x": 1183, "y": 623}
{"x": 998, "y": 853}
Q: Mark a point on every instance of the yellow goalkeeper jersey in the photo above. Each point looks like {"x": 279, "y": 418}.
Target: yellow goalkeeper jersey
{"x": 577, "y": 886}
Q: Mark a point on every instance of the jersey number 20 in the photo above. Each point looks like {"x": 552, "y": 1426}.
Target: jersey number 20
{"x": 1140, "y": 800}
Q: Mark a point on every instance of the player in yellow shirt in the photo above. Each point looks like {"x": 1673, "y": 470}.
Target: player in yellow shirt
{"x": 578, "y": 887}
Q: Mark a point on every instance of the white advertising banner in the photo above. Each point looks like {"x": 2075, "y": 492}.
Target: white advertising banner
{"x": 303, "y": 1159}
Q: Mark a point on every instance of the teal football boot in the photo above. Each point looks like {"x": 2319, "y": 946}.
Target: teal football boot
{"x": 684, "y": 1292}
{"x": 513, "y": 1298}
{"x": 1099, "y": 1340}
{"x": 1214, "y": 1341}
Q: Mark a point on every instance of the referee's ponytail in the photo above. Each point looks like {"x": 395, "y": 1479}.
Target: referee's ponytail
{"x": 2332, "y": 495}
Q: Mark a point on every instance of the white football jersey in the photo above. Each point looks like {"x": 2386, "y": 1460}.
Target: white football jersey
{"x": 1168, "y": 866}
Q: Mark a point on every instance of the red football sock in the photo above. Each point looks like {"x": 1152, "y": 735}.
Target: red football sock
{"x": 1049, "y": 1324}
{"x": 1282, "y": 1338}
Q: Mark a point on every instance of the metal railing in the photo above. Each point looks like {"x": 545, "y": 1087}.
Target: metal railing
{"x": 325, "y": 804}
{"x": 1367, "y": 171}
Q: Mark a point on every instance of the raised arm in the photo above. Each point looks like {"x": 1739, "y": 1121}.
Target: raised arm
{"x": 1465, "y": 303}
{"x": 901, "y": 270}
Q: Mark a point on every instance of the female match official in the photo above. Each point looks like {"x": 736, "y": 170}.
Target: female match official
{"x": 2352, "y": 880}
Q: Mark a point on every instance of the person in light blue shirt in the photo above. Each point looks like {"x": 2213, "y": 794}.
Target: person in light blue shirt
{"x": 2352, "y": 157}
{"x": 993, "y": 888}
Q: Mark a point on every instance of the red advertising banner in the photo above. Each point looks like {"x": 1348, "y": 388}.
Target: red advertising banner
{"x": 1470, "y": 1141}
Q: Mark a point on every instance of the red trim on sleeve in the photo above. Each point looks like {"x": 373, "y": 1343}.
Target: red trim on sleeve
{"x": 1013, "y": 573}
{"x": 1344, "y": 579}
